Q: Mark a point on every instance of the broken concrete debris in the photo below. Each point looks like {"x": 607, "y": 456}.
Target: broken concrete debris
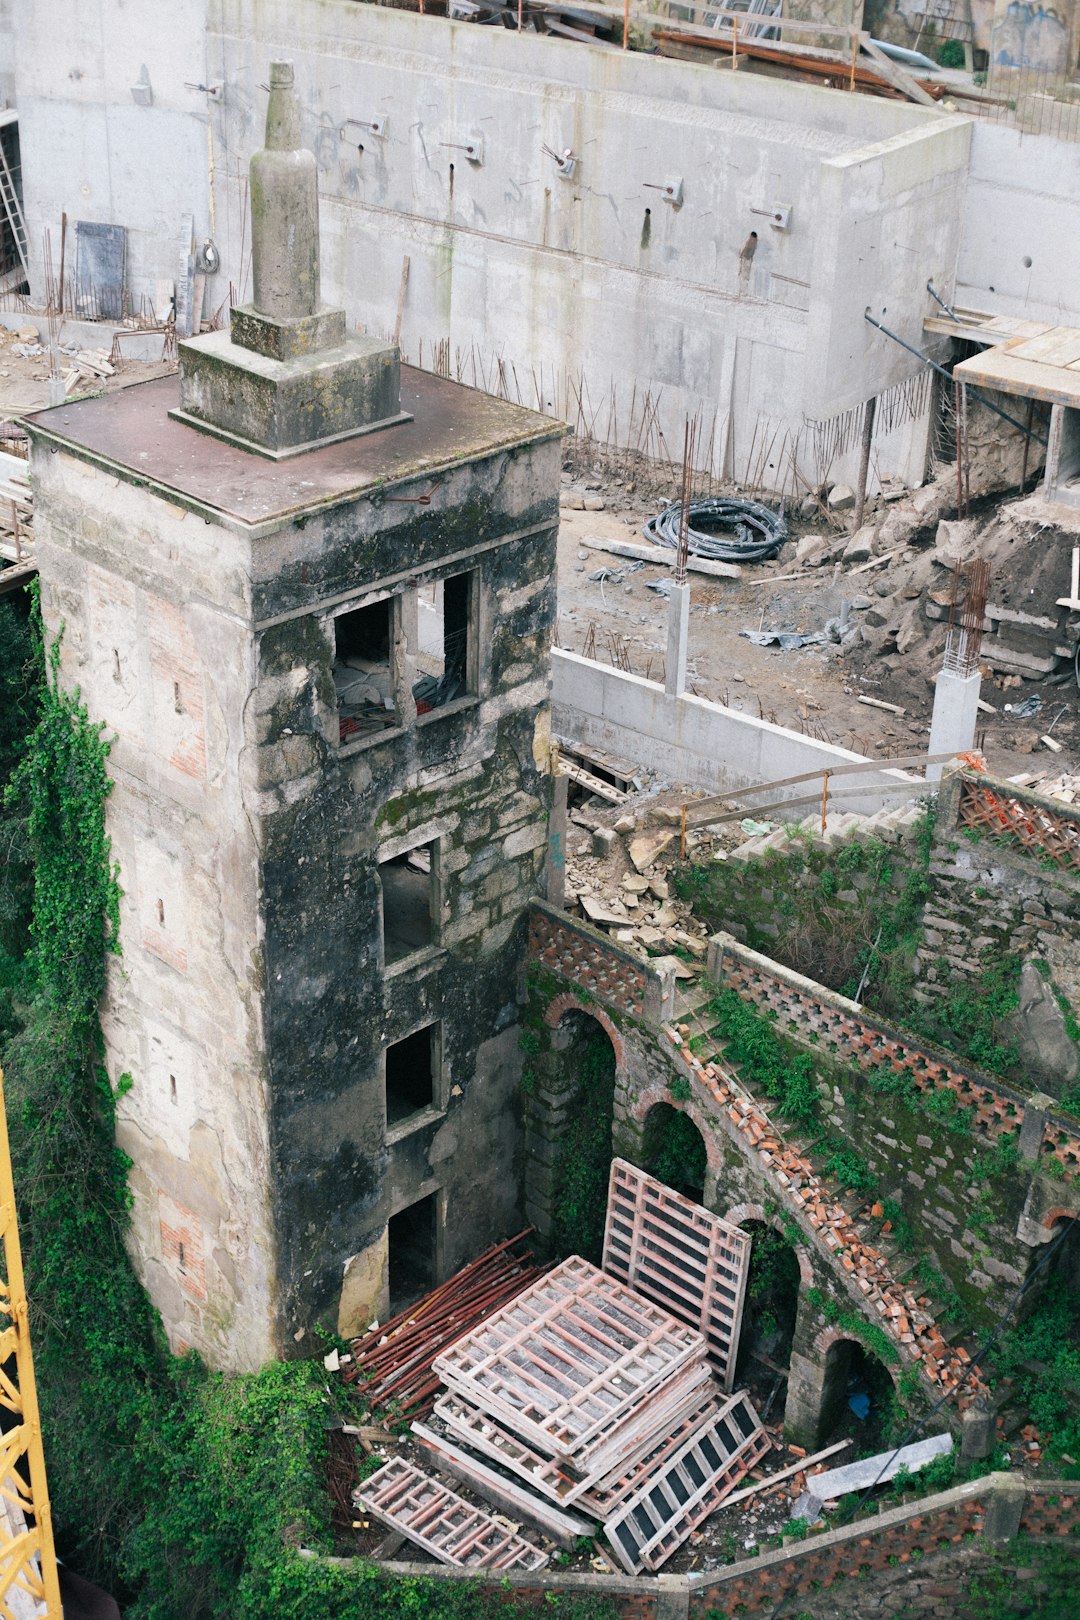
{"x": 869, "y": 1471}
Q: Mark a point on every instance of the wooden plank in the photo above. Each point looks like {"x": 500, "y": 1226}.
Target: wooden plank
{"x": 893, "y": 73}
{"x": 1001, "y": 369}
{"x": 12, "y": 579}
{"x": 503, "y": 1493}
{"x": 679, "y": 1255}
{"x": 436, "y": 1518}
{"x": 786, "y": 1473}
{"x": 594, "y": 784}
{"x": 1059, "y": 346}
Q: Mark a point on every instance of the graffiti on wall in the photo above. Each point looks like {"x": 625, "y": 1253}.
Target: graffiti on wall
{"x": 1028, "y": 34}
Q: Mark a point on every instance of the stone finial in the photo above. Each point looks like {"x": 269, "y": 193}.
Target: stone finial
{"x": 284, "y": 210}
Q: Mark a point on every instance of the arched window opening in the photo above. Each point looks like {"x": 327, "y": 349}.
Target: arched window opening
{"x": 674, "y": 1151}
{"x": 770, "y": 1306}
{"x": 583, "y": 1156}
{"x": 861, "y": 1399}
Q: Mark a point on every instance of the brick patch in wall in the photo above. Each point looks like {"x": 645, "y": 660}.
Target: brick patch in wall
{"x": 182, "y": 1247}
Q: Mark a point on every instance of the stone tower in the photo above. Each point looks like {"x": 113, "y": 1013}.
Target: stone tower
{"x": 311, "y": 593}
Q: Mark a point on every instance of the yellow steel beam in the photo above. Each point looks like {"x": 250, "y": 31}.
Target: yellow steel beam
{"x": 27, "y": 1555}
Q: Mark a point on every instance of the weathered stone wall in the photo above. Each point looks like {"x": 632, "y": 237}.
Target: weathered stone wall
{"x": 254, "y": 1004}
{"x": 473, "y": 780}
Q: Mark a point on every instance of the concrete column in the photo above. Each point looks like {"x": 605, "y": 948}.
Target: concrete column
{"x": 1005, "y": 1508}
{"x": 659, "y": 999}
{"x": 956, "y": 709}
{"x": 1033, "y": 1126}
{"x": 678, "y": 636}
{"x": 978, "y": 1432}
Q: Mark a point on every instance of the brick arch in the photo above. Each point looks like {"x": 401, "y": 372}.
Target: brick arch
{"x": 647, "y": 1100}
{"x": 755, "y": 1212}
{"x": 568, "y": 1002}
{"x": 831, "y": 1336}
{"x": 1051, "y": 1219}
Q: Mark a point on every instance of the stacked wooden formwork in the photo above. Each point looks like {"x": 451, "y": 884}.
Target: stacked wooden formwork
{"x": 594, "y": 1398}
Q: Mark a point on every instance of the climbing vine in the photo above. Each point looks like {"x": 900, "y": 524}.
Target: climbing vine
{"x": 186, "y": 1493}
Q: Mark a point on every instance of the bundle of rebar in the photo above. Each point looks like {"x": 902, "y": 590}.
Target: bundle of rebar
{"x": 392, "y": 1364}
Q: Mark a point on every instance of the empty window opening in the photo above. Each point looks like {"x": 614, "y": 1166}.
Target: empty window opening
{"x": 411, "y": 1242}
{"x": 444, "y": 654}
{"x": 410, "y": 1075}
{"x": 161, "y": 913}
{"x": 407, "y": 906}
{"x": 363, "y": 670}
{"x": 172, "y": 1087}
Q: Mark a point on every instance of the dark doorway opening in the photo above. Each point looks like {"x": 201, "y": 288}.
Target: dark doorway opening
{"x": 583, "y": 1166}
{"x": 411, "y": 1242}
{"x": 410, "y": 1075}
{"x": 675, "y": 1151}
{"x": 771, "y": 1302}
{"x": 861, "y": 1399}
{"x": 407, "y": 902}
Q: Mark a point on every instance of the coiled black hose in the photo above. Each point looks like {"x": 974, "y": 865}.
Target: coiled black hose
{"x": 757, "y": 531}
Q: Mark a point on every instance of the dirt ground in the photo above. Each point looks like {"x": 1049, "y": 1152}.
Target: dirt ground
{"x": 815, "y": 689}
{"x": 24, "y": 379}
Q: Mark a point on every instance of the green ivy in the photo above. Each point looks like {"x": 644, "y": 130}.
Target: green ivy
{"x": 753, "y": 1048}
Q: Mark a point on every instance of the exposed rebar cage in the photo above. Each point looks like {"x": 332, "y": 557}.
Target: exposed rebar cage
{"x": 967, "y": 613}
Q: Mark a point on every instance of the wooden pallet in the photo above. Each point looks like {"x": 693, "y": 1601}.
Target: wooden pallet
{"x": 568, "y": 1359}
{"x": 677, "y": 1254}
{"x": 677, "y": 1496}
{"x": 691, "y": 1402}
{"x": 442, "y": 1522}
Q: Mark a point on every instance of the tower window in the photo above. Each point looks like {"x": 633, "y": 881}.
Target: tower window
{"x": 408, "y": 906}
{"x": 363, "y": 671}
{"x": 410, "y": 1074}
{"x": 446, "y": 643}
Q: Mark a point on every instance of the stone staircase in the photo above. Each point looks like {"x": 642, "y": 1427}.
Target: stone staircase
{"x": 889, "y": 826}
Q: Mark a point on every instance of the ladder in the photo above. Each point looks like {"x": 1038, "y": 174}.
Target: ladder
{"x": 13, "y": 209}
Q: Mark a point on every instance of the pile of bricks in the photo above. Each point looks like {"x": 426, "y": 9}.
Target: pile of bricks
{"x": 900, "y": 1313}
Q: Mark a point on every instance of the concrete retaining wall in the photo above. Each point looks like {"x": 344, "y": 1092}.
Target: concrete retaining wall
{"x": 690, "y": 740}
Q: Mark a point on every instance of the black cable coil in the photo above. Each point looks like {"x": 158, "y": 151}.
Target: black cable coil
{"x": 757, "y": 532}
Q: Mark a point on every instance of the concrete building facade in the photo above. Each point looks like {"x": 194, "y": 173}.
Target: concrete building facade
{"x": 737, "y": 295}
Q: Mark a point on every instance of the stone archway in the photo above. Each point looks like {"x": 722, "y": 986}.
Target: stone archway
{"x": 675, "y": 1149}
{"x": 778, "y": 1272}
{"x": 570, "y": 1127}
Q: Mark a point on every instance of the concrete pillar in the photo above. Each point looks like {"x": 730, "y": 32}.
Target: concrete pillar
{"x": 956, "y": 709}
{"x": 1005, "y": 1508}
{"x": 1033, "y": 1126}
{"x": 284, "y": 210}
{"x": 978, "y": 1432}
{"x": 678, "y": 637}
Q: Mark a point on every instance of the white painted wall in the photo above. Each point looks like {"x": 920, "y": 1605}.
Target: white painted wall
{"x": 7, "y": 53}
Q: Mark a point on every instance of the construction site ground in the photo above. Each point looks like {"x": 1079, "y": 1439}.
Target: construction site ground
{"x": 24, "y": 378}
{"x": 815, "y": 689}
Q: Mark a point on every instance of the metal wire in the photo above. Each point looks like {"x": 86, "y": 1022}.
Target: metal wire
{"x": 757, "y": 532}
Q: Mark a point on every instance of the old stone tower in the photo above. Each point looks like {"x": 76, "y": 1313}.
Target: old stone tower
{"x": 312, "y": 596}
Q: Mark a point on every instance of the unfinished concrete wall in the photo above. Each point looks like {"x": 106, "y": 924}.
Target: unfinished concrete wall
{"x": 89, "y": 150}
{"x": 1020, "y": 237}
{"x": 595, "y": 277}
{"x": 7, "y": 53}
{"x": 688, "y": 739}
{"x": 887, "y": 221}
